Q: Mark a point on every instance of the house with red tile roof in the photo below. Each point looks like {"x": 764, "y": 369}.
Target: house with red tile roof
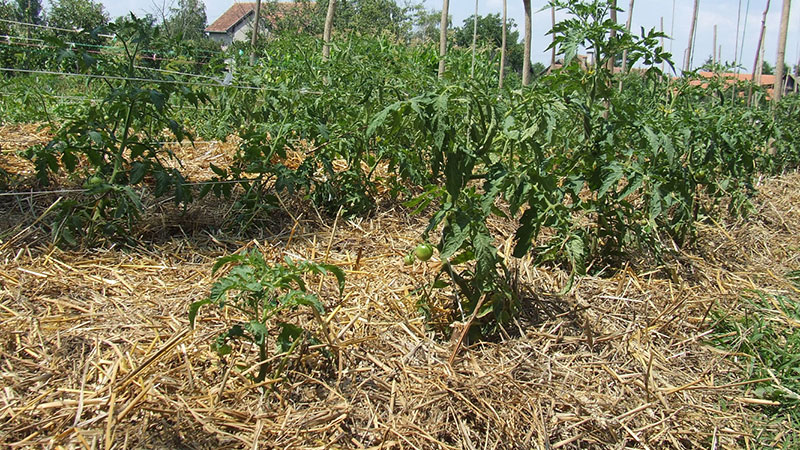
{"x": 236, "y": 23}
{"x": 767, "y": 81}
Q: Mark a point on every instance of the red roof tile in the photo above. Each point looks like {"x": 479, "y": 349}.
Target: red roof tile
{"x": 239, "y": 11}
{"x": 231, "y": 17}
{"x": 766, "y": 80}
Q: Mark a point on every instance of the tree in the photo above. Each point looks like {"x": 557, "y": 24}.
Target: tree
{"x": 7, "y": 12}
{"x": 187, "y": 20}
{"x": 29, "y": 11}
{"x": 767, "y": 68}
{"x": 538, "y": 69}
{"x": 490, "y": 34}
{"x": 366, "y": 17}
{"x": 526, "y": 61}
{"x": 425, "y": 23}
{"x": 84, "y": 15}
{"x": 373, "y": 17}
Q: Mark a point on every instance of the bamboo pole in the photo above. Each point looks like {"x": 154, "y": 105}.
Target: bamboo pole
{"x": 443, "y": 36}
{"x": 687, "y": 64}
{"x": 781, "y": 56}
{"x": 503, "y": 45}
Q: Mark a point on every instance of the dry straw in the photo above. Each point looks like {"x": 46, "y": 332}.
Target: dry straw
{"x": 95, "y": 350}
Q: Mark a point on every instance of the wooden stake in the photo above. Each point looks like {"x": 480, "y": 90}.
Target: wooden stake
{"x": 756, "y": 71}
{"x": 553, "y": 25}
{"x": 254, "y": 38}
{"x": 780, "y": 68}
{"x": 688, "y": 63}
{"x": 612, "y": 59}
{"x": 526, "y": 64}
{"x": 503, "y": 45}
{"x": 326, "y": 34}
{"x": 714, "y": 51}
{"x": 663, "y": 63}
{"x": 738, "y": 23}
{"x": 443, "y": 36}
{"x": 474, "y": 39}
{"x": 628, "y": 29}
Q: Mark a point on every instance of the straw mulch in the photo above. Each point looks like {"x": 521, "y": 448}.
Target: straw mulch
{"x": 15, "y": 138}
{"x": 95, "y": 349}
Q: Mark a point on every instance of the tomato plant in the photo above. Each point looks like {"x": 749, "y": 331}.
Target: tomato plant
{"x": 261, "y": 292}
{"x": 116, "y": 146}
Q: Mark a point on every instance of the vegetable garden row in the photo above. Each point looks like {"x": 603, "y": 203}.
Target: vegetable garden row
{"x": 592, "y": 165}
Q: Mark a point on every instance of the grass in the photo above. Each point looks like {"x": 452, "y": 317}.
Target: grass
{"x": 765, "y": 335}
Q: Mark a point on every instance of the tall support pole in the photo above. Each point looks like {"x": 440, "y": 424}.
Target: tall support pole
{"x": 503, "y": 45}
{"x": 254, "y": 38}
{"x": 744, "y": 36}
{"x": 553, "y": 25}
{"x": 612, "y": 59}
{"x": 326, "y": 34}
{"x": 759, "y": 47}
{"x": 474, "y": 39}
{"x": 672, "y": 28}
{"x": 526, "y": 62}
{"x": 628, "y": 29}
{"x": 443, "y": 36}
{"x": 687, "y": 64}
{"x": 714, "y": 51}
{"x": 780, "y": 68}
{"x": 738, "y": 24}
{"x": 663, "y": 63}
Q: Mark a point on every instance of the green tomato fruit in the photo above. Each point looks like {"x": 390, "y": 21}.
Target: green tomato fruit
{"x": 700, "y": 175}
{"x": 409, "y": 259}
{"x": 424, "y": 251}
{"x": 95, "y": 180}
{"x": 223, "y": 349}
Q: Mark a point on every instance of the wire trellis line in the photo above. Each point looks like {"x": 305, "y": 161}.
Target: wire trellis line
{"x": 182, "y": 143}
{"x": 80, "y": 30}
{"x": 86, "y": 191}
{"x": 41, "y": 45}
{"x": 74, "y": 100}
{"x": 152, "y": 80}
{"x": 47, "y": 27}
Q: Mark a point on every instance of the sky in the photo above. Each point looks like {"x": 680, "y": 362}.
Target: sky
{"x": 646, "y": 13}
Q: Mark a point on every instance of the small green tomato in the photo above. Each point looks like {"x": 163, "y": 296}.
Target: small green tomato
{"x": 223, "y": 349}
{"x": 94, "y": 181}
{"x": 424, "y": 251}
{"x": 409, "y": 259}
